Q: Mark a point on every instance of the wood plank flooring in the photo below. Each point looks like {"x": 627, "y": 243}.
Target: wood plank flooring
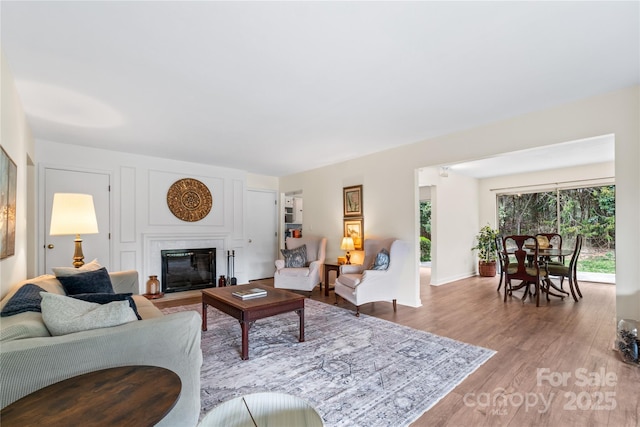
{"x": 549, "y": 362}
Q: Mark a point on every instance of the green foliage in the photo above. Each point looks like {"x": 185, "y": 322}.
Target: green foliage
{"x": 486, "y": 245}
{"x": 598, "y": 264}
{"x": 590, "y": 212}
{"x": 425, "y": 249}
{"x": 425, "y": 219}
{"x": 425, "y": 231}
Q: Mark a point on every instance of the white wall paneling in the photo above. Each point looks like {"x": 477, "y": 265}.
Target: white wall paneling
{"x": 140, "y": 208}
{"x": 238, "y": 208}
{"x": 159, "y": 213}
{"x": 128, "y": 261}
{"x": 127, "y": 204}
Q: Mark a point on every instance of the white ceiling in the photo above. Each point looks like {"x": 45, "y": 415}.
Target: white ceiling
{"x": 599, "y": 149}
{"x": 281, "y": 87}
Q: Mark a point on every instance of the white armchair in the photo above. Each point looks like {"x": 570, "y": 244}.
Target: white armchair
{"x": 302, "y": 278}
{"x": 360, "y": 285}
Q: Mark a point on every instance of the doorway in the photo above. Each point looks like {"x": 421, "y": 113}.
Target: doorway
{"x": 262, "y": 233}
{"x": 58, "y": 251}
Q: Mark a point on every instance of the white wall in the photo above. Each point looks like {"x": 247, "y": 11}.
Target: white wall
{"x": 142, "y": 221}
{"x": 15, "y": 138}
{"x": 262, "y": 182}
{"x": 454, "y": 206}
{"x": 391, "y": 189}
{"x": 425, "y": 193}
{"x": 385, "y": 208}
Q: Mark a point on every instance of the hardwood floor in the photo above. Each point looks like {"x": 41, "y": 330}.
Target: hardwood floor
{"x": 555, "y": 364}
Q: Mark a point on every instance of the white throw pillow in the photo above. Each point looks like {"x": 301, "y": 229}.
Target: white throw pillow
{"x": 64, "y": 315}
{"x": 70, "y": 271}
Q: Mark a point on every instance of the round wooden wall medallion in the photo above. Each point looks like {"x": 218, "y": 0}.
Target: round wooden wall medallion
{"x": 189, "y": 199}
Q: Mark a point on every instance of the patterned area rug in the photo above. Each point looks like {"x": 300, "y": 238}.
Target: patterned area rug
{"x": 355, "y": 371}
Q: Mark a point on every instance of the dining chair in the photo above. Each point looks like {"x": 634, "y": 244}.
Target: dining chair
{"x": 528, "y": 272}
{"x": 570, "y": 271}
{"x": 555, "y": 241}
{"x": 503, "y": 259}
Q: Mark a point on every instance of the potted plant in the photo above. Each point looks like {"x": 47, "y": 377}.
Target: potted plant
{"x": 486, "y": 247}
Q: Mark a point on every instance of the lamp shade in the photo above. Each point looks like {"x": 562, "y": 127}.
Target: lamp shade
{"x": 347, "y": 244}
{"x": 73, "y": 214}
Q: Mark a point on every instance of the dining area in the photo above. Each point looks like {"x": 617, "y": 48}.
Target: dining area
{"x": 539, "y": 265}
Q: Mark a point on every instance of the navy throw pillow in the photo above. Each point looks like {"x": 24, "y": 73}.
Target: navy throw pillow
{"x": 27, "y": 298}
{"x": 91, "y": 282}
{"x": 101, "y": 298}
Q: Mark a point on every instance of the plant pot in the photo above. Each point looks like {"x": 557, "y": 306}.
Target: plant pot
{"x": 487, "y": 269}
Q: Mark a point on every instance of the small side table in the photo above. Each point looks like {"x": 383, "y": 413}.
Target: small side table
{"x": 327, "y": 268}
{"x": 133, "y": 395}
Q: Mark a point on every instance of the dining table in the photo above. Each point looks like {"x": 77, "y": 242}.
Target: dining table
{"x": 543, "y": 256}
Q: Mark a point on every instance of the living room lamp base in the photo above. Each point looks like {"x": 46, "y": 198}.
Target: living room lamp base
{"x": 78, "y": 256}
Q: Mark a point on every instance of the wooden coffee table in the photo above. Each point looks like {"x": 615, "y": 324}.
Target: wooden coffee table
{"x": 122, "y": 396}
{"x": 248, "y": 311}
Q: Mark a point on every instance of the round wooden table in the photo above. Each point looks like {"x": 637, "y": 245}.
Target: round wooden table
{"x": 123, "y": 396}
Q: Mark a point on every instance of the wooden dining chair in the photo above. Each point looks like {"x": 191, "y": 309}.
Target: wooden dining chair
{"x": 503, "y": 260}
{"x": 555, "y": 241}
{"x": 528, "y": 272}
{"x": 570, "y": 271}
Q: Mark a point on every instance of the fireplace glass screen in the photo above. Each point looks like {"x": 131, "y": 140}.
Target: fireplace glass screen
{"x": 187, "y": 269}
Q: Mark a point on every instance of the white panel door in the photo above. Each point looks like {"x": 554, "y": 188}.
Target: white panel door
{"x": 262, "y": 226}
{"x": 58, "y": 250}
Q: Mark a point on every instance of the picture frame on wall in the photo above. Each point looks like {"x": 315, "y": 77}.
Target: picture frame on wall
{"x": 8, "y": 188}
{"x": 354, "y": 228}
{"x": 352, "y": 201}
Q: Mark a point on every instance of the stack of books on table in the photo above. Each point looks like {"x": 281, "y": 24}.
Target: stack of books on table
{"x": 250, "y": 293}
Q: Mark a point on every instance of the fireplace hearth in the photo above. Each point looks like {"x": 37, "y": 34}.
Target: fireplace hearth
{"x": 188, "y": 269}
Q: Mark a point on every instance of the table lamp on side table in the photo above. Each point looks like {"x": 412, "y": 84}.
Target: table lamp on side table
{"x": 347, "y": 245}
{"x": 73, "y": 214}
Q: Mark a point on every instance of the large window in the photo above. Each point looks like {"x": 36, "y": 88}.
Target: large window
{"x": 589, "y": 211}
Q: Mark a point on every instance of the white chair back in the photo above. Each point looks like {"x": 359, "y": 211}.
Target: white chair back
{"x": 315, "y": 248}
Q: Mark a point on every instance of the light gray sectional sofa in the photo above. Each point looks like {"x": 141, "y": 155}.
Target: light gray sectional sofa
{"x": 30, "y": 358}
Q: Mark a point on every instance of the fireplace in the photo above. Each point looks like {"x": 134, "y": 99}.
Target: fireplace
{"x": 187, "y": 269}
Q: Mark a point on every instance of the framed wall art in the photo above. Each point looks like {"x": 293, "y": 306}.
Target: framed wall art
{"x": 8, "y": 187}
{"x": 354, "y": 228}
{"x": 352, "y": 200}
